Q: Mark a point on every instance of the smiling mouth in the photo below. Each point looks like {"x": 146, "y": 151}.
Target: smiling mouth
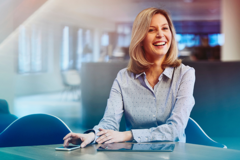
{"x": 160, "y": 44}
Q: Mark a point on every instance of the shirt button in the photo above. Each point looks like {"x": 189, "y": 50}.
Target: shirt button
{"x": 153, "y": 115}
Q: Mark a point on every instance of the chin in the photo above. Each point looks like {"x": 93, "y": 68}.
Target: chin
{"x": 161, "y": 53}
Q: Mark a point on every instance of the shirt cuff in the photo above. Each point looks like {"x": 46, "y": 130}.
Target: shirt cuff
{"x": 141, "y": 135}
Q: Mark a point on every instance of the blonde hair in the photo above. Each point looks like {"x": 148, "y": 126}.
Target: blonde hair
{"x": 138, "y": 62}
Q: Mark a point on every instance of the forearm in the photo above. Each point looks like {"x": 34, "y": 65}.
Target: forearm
{"x": 165, "y": 132}
{"x": 128, "y": 136}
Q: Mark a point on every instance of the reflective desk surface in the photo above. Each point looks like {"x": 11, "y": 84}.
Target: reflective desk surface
{"x": 182, "y": 151}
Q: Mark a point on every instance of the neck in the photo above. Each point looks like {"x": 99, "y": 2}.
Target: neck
{"x": 153, "y": 73}
{"x": 156, "y": 69}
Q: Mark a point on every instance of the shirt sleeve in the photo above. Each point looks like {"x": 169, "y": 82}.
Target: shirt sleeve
{"x": 113, "y": 112}
{"x": 176, "y": 123}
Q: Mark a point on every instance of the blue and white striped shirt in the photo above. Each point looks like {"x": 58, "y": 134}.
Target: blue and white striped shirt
{"x": 159, "y": 114}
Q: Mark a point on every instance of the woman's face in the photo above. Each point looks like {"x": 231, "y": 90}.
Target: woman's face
{"x": 159, "y": 37}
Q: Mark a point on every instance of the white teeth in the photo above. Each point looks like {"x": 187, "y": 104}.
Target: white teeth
{"x": 160, "y": 43}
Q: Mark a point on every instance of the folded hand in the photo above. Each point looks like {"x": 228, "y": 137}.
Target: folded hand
{"x": 110, "y": 136}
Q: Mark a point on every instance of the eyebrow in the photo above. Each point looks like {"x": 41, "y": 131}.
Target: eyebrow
{"x": 162, "y": 25}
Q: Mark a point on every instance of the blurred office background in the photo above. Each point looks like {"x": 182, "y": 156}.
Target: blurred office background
{"x": 44, "y": 44}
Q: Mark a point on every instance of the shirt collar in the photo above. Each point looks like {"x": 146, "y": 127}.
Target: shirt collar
{"x": 138, "y": 75}
{"x": 167, "y": 72}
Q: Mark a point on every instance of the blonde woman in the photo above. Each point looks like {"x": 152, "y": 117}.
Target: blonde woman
{"x": 155, "y": 92}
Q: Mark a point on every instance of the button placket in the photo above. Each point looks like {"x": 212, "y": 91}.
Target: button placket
{"x": 155, "y": 103}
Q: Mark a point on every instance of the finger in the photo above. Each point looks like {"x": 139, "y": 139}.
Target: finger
{"x": 66, "y": 142}
{"x": 83, "y": 144}
{"x": 102, "y": 131}
{"x": 105, "y": 139}
{"x": 73, "y": 135}
{"x": 67, "y": 136}
{"x": 110, "y": 141}
{"x": 100, "y": 138}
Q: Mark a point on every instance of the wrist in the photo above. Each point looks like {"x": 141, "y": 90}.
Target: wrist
{"x": 128, "y": 136}
{"x": 92, "y": 134}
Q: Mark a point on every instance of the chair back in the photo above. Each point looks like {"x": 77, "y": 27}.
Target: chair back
{"x": 71, "y": 78}
{"x": 4, "y": 106}
{"x": 6, "y": 120}
{"x": 196, "y": 135}
{"x": 5, "y": 117}
{"x": 35, "y": 129}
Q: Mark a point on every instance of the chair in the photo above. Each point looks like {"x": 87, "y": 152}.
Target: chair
{"x": 34, "y": 129}
{"x": 5, "y": 117}
{"x": 196, "y": 135}
{"x": 72, "y": 81}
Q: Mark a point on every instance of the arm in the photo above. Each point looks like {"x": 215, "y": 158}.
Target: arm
{"x": 110, "y": 122}
{"x": 113, "y": 112}
{"x": 109, "y": 125}
{"x": 177, "y": 121}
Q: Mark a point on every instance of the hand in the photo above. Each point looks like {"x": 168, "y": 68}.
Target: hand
{"x": 76, "y": 138}
{"x": 110, "y": 136}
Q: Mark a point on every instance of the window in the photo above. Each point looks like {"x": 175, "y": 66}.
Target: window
{"x": 30, "y": 54}
{"x": 216, "y": 39}
{"x": 84, "y": 47}
{"x": 194, "y": 40}
{"x": 65, "y": 49}
{"x": 105, "y": 39}
{"x": 124, "y": 35}
{"x": 86, "y": 43}
{"x": 76, "y": 47}
{"x": 187, "y": 40}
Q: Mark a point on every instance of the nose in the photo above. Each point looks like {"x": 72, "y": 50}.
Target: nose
{"x": 160, "y": 34}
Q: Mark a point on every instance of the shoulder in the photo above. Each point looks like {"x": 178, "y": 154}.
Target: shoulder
{"x": 124, "y": 74}
{"x": 184, "y": 71}
{"x": 184, "y": 68}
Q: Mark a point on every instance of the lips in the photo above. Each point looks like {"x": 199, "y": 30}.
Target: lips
{"x": 159, "y": 43}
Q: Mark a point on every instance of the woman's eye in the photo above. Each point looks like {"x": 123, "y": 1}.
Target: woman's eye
{"x": 150, "y": 30}
{"x": 165, "y": 28}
